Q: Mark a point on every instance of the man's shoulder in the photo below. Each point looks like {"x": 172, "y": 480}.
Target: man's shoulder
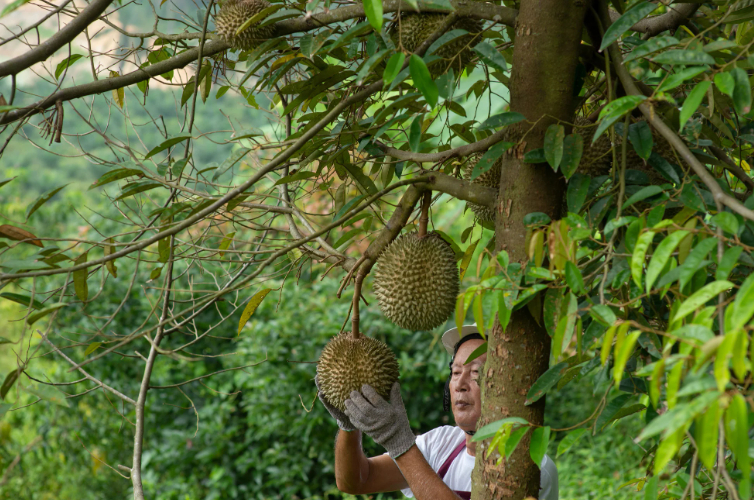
{"x": 440, "y": 441}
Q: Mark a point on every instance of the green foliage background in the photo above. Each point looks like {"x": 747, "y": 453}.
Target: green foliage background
{"x": 258, "y": 435}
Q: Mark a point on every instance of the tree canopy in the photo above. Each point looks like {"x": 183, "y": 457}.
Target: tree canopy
{"x": 603, "y": 148}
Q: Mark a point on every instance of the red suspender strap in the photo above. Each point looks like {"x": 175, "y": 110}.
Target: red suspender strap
{"x": 465, "y": 495}
{"x": 445, "y": 466}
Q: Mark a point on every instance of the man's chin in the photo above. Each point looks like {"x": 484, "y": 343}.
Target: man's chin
{"x": 465, "y": 421}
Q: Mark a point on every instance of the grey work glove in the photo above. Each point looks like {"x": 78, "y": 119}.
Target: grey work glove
{"x": 340, "y": 417}
{"x": 384, "y": 421}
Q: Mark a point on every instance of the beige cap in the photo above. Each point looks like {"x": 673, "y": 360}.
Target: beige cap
{"x": 451, "y": 337}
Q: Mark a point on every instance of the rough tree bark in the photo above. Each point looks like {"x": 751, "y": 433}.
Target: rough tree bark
{"x": 545, "y": 56}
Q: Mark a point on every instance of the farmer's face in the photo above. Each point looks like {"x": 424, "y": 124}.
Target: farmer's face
{"x": 465, "y": 393}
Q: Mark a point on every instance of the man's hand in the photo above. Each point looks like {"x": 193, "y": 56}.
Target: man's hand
{"x": 385, "y": 421}
{"x": 340, "y": 417}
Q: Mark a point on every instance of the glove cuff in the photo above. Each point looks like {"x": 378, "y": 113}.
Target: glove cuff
{"x": 345, "y": 425}
{"x": 401, "y": 445}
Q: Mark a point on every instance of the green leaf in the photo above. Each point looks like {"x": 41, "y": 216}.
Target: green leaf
{"x": 490, "y": 56}
{"x": 573, "y": 149}
{"x": 626, "y": 21}
{"x": 347, "y": 207}
{"x": 642, "y": 194}
{"x": 116, "y": 175}
{"x": 578, "y": 187}
{"x": 603, "y": 314}
{"x": 694, "y": 260}
{"x": 727, "y": 263}
{"x": 741, "y": 91}
{"x": 136, "y": 188}
{"x": 373, "y": 10}
{"x": 742, "y": 309}
{"x": 569, "y": 440}
{"x": 415, "y": 133}
{"x": 701, "y": 297}
{"x": 725, "y": 83}
{"x": 224, "y": 244}
{"x": 623, "y": 350}
{"x": 422, "y": 79}
{"x": 298, "y": 176}
{"x": 166, "y": 144}
{"x": 491, "y": 429}
{"x": 727, "y": 221}
{"x": 574, "y": 278}
{"x": 66, "y": 63}
{"x": 5, "y": 181}
{"x": 79, "y": 278}
{"x": 33, "y": 318}
{"x": 482, "y": 349}
{"x": 692, "y": 102}
{"x": 640, "y": 252}
{"x": 251, "y": 306}
{"x": 92, "y": 347}
{"x": 42, "y": 200}
{"x": 489, "y": 158}
{"x": 615, "y": 111}
{"x": 554, "y": 137}
{"x": 678, "y": 416}
{"x": 650, "y": 488}
{"x": 664, "y": 168}
{"x": 535, "y": 156}
{"x": 545, "y": 382}
{"x": 540, "y": 438}
{"x": 611, "y": 410}
{"x": 707, "y": 434}
{"x": 640, "y": 136}
{"x": 661, "y": 256}
{"x": 13, "y": 6}
{"x": 685, "y": 57}
{"x": 680, "y": 77}
{"x": 24, "y": 300}
{"x": 370, "y": 64}
{"x": 650, "y": 46}
{"x": 737, "y": 435}
{"x": 512, "y": 443}
{"x": 501, "y": 120}
{"x": 393, "y": 67}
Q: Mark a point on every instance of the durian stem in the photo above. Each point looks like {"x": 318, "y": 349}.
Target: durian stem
{"x": 424, "y": 219}
{"x": 355, "y": 334}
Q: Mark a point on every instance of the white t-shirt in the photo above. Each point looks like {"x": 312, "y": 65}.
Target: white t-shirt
{"x": 437, "y": 445}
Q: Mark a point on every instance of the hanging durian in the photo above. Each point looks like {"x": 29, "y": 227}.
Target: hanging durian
{"x": 409, "y": 31}
{"x": 491, "y": 179}
{"x": 347, "y": 363}
{"x": 416, "y": 281}
{"x": 233, "y": 14}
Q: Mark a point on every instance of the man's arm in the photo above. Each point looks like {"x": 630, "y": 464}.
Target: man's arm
{"x": 423, "y": 480}
{"x": 357, "y": 474}
{"x": 387, "y": 423}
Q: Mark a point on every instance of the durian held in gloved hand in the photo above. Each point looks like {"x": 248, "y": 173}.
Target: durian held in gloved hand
{"x": 232, "y": 14}
{"x": 347, "y": 363}
{"x": 416, "y": 281}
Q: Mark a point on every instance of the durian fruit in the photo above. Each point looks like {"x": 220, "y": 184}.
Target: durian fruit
{"x": 347, "y": 363}
{"x": 416, "y": 281}
{"x": 409, "y": 31}
{"x": 597, "y": 158}
{"x": 491, "y": 179}
{"x": 233, "y": 14}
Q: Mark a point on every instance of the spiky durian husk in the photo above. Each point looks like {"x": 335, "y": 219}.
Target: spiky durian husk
{"x": 417, "y": 281}
{"x": 233, "y": 14}
{"x": 346, "y": 364}
{"x": 597, "y": 158}
{"x": 491, "y": 179}
{"x": 410, "y": 30}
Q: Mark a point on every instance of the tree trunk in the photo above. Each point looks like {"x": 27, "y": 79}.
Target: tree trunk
{"x": 545, "y": 56}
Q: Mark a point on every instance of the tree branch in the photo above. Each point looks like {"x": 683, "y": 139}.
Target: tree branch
{"x": 84, "y": 373}
{"x": 734, "y": 169}
{"x": 59, "y": 39}
{"x": 676, "y": 15}
{"x": 503, "y": 15}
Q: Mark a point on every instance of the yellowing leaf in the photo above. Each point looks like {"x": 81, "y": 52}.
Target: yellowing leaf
{"x": 119, "y": 94}
{"x": 251, "y": 307}
{"x": 92, "y": 347}
{"x": 79, "y": 278}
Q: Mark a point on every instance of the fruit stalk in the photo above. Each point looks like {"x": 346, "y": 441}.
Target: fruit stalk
{"x": 424, "y": 218}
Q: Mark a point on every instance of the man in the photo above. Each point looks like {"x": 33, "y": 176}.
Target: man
{"x": 434, "y": 466}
